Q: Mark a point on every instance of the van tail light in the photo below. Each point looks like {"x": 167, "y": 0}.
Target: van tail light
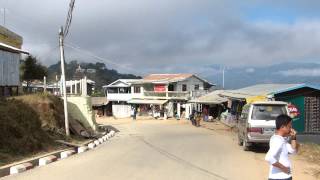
{"x": 254, "y": 130}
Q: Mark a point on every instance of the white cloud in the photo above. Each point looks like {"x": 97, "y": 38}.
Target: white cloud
{"x": 167, "y": 35}
{"x": 303, "y": 72}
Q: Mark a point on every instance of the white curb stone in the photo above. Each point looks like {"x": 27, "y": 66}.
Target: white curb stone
{"x": 91, "y": 145}
{"x": 66, "y": 154}
{"x": 82, "y": 149}
{"x": 47, "y": 160}
{"x": 100, "y": 140}
{"x": 96, "y": 142}
{"x": 20, "y": 168}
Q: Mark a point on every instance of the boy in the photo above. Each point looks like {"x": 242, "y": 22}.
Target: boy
{"x": 280, "y": 148}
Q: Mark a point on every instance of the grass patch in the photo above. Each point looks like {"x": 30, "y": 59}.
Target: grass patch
{"x": 311, "y": 152}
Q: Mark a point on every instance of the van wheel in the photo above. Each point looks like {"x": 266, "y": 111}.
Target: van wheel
{"x": 240, "y": 141}
{"x": 245, "y": 145}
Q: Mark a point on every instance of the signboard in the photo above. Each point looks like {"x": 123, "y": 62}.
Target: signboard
{"x": 293, "y": 110}
{"x": 159, "y": 88}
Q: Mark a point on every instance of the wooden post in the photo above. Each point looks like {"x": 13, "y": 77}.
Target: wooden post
{"x": 178, "y": 110}
{"x": 167, "y": 93}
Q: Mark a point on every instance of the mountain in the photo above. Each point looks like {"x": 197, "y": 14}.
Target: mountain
{"x": 97, "y": 72}
{"x": 278, "y": 73}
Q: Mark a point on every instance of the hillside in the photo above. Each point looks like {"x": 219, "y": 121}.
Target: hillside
{"x": 29, "y": 125}
{"x": 97, "y": 72}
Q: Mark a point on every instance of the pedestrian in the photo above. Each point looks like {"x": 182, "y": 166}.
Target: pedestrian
{"x": 198, "y": 119}
{"x": 192, "y": 117}
{"x": 282, "y": 143}
{"x": 134, "y": 113}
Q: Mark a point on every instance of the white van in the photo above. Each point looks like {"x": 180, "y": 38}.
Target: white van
{"x": 257, "y": 122}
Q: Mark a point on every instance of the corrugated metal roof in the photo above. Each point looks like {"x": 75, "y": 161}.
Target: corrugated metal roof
{"x": 147, "y": 101}
{"x": 11, "y": 49}
{"x": 210, "y": 98}
{"x": 167, "y": 78}
{"x": 125, "y": 83}
{"x": 258, "y": 90}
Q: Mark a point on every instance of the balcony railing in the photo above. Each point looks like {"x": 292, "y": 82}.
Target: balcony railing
{"x": 167, "y": 94}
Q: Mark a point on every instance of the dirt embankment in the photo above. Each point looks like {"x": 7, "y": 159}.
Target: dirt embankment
{"x": 28, "y": 125}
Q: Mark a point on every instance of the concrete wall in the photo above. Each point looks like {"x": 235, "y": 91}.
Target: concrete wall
{"x": 81, "y": 108}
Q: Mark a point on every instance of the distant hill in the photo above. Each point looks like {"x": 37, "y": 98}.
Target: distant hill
{"x": 97, "y": 72}
{"x": 279, "y": 73}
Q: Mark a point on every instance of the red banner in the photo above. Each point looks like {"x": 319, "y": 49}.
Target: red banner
{"x": 159, "y": 88}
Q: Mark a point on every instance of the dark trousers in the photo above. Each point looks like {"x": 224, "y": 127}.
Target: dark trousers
{"x": 193, "y": 121}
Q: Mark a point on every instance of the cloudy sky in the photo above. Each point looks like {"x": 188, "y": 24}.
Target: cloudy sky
{"x": 144, "y": 36}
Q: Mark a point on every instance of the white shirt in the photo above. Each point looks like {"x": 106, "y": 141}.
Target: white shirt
{"x": 279, "y": 152}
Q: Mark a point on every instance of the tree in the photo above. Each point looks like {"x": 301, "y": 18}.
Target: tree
{"x": 32, "y": 69}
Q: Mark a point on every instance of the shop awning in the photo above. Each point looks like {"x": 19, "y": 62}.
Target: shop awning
{"x": 211, "y": 98}
{"x": 259, "y": 90}
{"x": 147, "y": 101}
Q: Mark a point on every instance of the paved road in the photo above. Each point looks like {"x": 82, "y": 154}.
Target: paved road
{"x": 157, "y": 150}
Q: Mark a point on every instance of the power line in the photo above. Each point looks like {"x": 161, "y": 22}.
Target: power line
{"x": 98, "y": 57}
{"x": 69, "y": 19}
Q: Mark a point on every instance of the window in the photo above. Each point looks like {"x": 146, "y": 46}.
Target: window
{"x": 268, "y": 112}
{"x": 112, "y": 90}
{"x": 196, "y": 87}
{"x": 124, "y": 90}
{"x": 184, "y": 87}
{"x": 137, "y": 90}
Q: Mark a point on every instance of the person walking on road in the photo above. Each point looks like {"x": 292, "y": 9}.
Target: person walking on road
{"x": 198, "y": 119}
{"x": 134, "y": 112}
{"x": 282, "y": 143}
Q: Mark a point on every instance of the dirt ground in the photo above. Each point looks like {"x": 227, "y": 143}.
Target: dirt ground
{"x": 303, "y": 169}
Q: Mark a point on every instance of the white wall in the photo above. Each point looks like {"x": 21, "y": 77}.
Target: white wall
{"x": 121, "y": 110}
{"x": 119, "y": 97}
{"x": 80, "y": 107}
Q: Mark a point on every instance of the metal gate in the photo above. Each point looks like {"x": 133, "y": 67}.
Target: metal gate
{"x": 312, "y": 114}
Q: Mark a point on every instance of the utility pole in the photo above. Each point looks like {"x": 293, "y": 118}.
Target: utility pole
{"x": 4, "y": 17}
{"x": 63, "y": 79}
{"x": 223, "y": 70}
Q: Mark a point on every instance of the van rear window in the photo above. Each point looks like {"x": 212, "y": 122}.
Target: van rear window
{"x": 267, "y": 112}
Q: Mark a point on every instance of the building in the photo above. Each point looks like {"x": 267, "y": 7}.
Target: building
{"x": 159, "y": 95}
{"x": 212, "y": 104}
{"x": 118, "y": 94}
{"x": 10, "y": 56}
{"x": 167, "y": 95}
{"x": 303, "y": 100}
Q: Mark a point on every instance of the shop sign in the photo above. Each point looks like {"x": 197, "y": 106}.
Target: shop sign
{"x": 159, "y": 88}
{"x": 293, "y": 110}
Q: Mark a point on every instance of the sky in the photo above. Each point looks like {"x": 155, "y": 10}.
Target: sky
{"x": 170, "y": 36}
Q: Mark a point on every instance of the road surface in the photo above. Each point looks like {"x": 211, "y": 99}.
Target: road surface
{"x": 158, "y": 150}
